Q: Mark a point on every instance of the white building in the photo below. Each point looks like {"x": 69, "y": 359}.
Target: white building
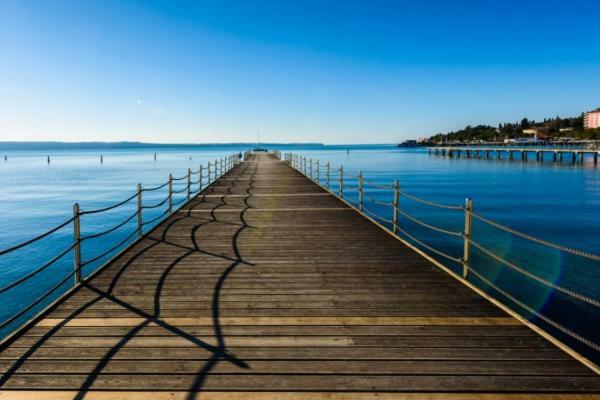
{"x": 591, "y": 119}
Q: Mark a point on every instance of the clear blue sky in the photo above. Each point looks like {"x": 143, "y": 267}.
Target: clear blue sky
{"x": 327, "y": 71}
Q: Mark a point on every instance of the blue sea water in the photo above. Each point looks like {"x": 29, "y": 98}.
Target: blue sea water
{"x": 559, "y": 203}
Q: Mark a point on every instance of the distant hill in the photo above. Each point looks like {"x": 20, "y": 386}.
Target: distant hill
{"x": 547, "y": 129}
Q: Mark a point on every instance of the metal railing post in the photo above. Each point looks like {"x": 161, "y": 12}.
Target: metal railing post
{"x": 311, "y": 168}
{"x": 170, "y": 193}
{"x": 360, "y": 191}
{"x": 208, "y": 173}
{"x": 467, "y": 236}
{"x": 318, "y": 173}
{"x": 139, "y": 210}
{"x": 200, "y": 179}
{"x": 328, "y": 175}
{"x": 77, "y": 243}
{"x": 341, "y": 181}
{"x": 396, "y": 205}
{"x": 189, "y": 183}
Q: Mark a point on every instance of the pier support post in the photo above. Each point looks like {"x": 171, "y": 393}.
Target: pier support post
{"x": 77, "y": 243}
{"x": 170, "y": 193}
{"x": 200, "y": 179}
{"x": 189, "y": 183}
{"x": 341, "y": 181}
{"x": 554, "y": 156}
{"x": 595, "y": 158}
{"x": 396, "y": 205}
{"x": 467, "y": 237}
{"x": 318, "y": 173}
{"x": 328, "y": 174}
{"x": 139, "y": 210}
{"x": 360, "y": 191}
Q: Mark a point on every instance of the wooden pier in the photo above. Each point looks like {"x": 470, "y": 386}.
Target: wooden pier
{"x": 556, "y": 155}
{"x": 267, "y": 286}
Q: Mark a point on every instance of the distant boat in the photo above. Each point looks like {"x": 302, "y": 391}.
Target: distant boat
{"x": 259, "y": 150}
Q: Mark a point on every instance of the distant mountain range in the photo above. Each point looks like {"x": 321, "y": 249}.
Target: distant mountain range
{"x": 132, "y": 145}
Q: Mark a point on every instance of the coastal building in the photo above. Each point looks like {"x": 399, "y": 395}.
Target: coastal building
{"x": 591, "y": 119}
{"x": 538, "y": 133}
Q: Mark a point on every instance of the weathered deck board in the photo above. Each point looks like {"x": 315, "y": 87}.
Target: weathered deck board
{"x": 267, "y": 286}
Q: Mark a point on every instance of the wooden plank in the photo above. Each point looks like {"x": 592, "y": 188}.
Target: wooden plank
{"x": 309, "y": 382}
{"x": 328, "y": 367}
{"x": 239, "y": 395}
{"x": 288, "y": 321}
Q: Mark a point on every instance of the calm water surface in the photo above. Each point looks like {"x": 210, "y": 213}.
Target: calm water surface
{"x": 559, "y": 203}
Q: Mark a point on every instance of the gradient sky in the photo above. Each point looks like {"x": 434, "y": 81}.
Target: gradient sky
{"x": 321, "y": 71}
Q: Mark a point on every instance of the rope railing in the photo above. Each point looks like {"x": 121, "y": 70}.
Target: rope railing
{"x": 570, "y": 250}
{"x": 535, "y": 277}
{"x": 110, "y": 250}
{"x": 43, "y": 297}
{"x": 155, "y": 218}
{"x": 179, "y": 201}
{"x": 37, "y": 271}
{"x": 429, "y": 202}
{"x": 184, "y": 189}
{"x": 156, "y": 187}
{"x": 429, "y": 226}
{"x": 428, "y": 247}
{"x": 101, "y": 210}
{"x": 378, "y": 217}
{"x": 156, "y": 205}
{"x": 536, "y": 313}
{"x": 377, "y": 185}
{"x": 333, "y": 181}
{"x": 219, "y": 168}
{"x": 379, "y": 202}
{"x": 111, "y": 230}
{"x": 35, "y": 239}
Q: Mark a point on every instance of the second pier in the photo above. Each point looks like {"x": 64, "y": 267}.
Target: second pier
{"x": 557, "y": 155}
